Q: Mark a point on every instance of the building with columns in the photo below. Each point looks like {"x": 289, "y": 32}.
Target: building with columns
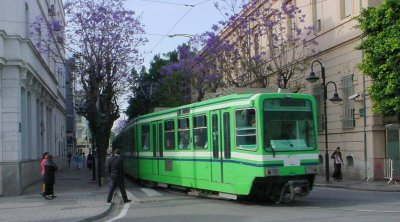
{"x": 366, "y": 138}
{"x": 32, "y": 90}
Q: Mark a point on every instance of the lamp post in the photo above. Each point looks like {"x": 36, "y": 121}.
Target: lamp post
{"x": 335, "y": 99}
{"x": 181, "y": 35}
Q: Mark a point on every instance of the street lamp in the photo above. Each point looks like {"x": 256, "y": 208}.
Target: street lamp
{"x": 181, "y": 35}
{"x": 335, "y": 99}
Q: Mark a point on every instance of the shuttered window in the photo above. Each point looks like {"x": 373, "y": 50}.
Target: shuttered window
{"x": 348, "y": 104}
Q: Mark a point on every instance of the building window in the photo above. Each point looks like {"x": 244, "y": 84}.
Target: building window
{"x": 346, "y": 7}
{"x": 27, "y": 20}
{"x": 319, "y": 98}
{"x": 348, "y": 104}
{"x": 350, "y": 161}
{"x": 256, "y": 43}
{"x": 317, "y": 14}
{"x": 291, "y": 24}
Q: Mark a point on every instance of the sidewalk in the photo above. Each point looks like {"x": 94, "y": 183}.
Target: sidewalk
{"x": 78, "y": 199}
{"x": 346, "y": 183}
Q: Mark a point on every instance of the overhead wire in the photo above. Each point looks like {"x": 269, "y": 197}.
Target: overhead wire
{"x": 177, "y": 23}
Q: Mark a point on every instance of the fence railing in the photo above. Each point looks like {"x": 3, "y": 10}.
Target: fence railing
{"x": 388, "y": 169}
{"x": 391, "y": 171}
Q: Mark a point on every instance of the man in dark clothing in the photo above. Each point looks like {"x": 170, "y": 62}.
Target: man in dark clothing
{"x": 116, "y": 171}
{"x": 69, "y": 156}
{"x": 49, "y": 177}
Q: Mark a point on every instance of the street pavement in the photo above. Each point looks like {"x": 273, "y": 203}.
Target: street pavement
{"x": 78, "y": 199}
{"x": 81, "y": 199}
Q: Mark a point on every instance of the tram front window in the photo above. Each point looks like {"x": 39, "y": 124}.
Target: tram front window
{"x": 288, "y": 125}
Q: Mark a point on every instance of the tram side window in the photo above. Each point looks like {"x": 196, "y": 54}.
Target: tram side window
{"x": 132, "y": 141}
{"x": 200, "y": 132}
{"x": 169, "y": 135}
{"x": 145, "y": 137}
{"x": 246, "y": 135}
{"x": 183, "y": 133}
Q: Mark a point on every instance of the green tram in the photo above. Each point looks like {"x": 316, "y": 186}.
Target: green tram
{"x": 260, "y": 145}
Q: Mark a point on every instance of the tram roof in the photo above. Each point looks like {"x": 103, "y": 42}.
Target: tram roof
{"x": 225, "y": 95}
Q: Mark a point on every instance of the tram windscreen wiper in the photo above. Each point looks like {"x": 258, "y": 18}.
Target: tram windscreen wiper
{"x": 273, "y": 152}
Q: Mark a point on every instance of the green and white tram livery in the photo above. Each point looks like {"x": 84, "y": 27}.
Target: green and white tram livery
{"x": 263, "y": 145}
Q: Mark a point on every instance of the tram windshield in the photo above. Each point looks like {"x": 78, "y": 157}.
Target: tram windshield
{"x": 288, "y": 125}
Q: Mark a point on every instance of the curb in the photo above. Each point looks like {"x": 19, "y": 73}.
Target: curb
{"x": 354, "y": 188}
{"x": 101, "y": 215}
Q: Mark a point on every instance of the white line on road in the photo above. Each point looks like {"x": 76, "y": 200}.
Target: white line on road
{"x": 150, "y": 192}
{"x": 122, "y": 214}
{"x": 124, "y": 210}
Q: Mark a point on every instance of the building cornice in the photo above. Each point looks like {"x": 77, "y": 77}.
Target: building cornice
{"x": 28, "y": 73}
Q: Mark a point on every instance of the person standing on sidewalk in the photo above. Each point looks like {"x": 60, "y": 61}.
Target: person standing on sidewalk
{"x": 42, "y": 162}
{"x": 337, "y": 164}
{"x": 69, "y": 156}
{"x": 49, "y": 177}
{"x": 116, "y": 171}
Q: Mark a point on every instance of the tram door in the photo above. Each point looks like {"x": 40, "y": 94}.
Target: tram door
{"x": 156, "y": 130}
{"x": 216, "y": 148}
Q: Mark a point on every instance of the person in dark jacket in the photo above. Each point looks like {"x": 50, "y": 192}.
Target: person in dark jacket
{"x": 116, "y": 171}
{"x": 42, "y": 162}
{"x": 337, "y": 164}
{"x": 50, "y": 169}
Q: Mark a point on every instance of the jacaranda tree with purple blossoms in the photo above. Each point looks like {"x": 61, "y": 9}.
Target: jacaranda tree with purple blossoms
{"x": 104, "y": 38}
{"x": 271, "y": 42}
{"x": 260, "y": 44}
{"x": 197, "y": 66}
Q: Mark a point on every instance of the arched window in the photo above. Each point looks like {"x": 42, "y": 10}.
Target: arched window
{"x": 350, "y": 161}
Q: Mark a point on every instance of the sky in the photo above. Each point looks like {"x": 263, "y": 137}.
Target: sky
{"x": 168, "y": 17}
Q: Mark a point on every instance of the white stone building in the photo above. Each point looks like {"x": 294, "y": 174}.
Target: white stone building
{"x": 32, "y": 90}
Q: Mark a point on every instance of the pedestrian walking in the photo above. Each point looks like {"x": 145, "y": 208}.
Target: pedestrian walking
{"x": 42, "y": 162}
{"x": 78, "y": 161}
{"x": 337, "y": 164}
{"x": 49, "y": 177}
{"x": 116, "y": 171}
{"x": 69, "y": 156}
{"x": 90, "y": 160}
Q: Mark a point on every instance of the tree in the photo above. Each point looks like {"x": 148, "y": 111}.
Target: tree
{"x": 104, "y": 38}
{"x": 119, "y": 125}
{"x": 199, "y": 70}
{"x": 258, "y": 41}
{"x": 152, "y": 89}
{"x": 270, "y": 40}
{"x": 381, "y": 55}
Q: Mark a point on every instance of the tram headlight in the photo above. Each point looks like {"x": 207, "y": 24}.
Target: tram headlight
{"x": 271, "y": 171}
{"x": 311, "y": 169}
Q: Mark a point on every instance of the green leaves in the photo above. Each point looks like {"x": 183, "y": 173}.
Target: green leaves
{"x": 381, "y": 58}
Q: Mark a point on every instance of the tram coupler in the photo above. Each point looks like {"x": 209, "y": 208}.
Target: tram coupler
{"x": 294, "y": 188}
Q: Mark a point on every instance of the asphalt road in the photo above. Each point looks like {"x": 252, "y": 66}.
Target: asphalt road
{"x": 323, "y": 204}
